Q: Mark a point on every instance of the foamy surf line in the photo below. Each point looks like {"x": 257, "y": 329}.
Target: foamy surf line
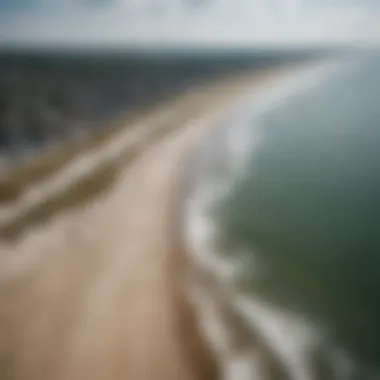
{"x": 212, "y": 168}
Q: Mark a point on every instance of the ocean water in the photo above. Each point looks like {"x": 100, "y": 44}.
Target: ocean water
{"x": 305, "y": 207}
{"x": 284, "y": 205}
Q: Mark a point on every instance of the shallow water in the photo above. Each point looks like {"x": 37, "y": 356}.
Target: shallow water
{"x": 295, "y": 206}
{"x": 307, "y": 205}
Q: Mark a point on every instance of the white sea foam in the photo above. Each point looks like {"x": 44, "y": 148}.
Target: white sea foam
{"x": 287, "y": 334}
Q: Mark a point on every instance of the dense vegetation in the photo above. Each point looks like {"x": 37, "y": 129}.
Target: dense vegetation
{"x": 48, "y": 96}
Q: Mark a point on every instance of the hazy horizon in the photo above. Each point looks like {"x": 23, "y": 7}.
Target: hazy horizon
{"x": 173, "y": 23}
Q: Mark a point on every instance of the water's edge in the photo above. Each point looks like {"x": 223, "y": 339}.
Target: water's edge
{"x": 210, "y": 169}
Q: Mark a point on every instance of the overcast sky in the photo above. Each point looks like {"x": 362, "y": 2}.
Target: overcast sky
{"x": 185, "y": 22}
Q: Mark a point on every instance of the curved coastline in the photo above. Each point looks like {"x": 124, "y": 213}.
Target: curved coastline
{"x": 209, "y": 170}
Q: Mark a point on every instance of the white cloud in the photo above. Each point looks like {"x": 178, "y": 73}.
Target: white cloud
{"x": 132, "y": 22}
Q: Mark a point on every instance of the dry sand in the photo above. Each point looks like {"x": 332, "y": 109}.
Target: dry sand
{"x": 100, "y": 293}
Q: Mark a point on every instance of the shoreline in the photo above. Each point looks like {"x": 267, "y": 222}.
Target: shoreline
{"x": 198, "y": 241}
{"x": 110, "y": 287}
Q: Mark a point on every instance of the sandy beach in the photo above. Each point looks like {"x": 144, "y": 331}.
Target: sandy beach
{"x": 102, "y": 292}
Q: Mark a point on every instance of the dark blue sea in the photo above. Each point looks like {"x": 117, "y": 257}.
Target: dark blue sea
{"x": 288, "y": 190}
{"x": 305, "y": 206}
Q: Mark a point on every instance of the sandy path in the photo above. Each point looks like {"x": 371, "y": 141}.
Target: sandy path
{"x": 110, "y": 304}
{"x": 61, "y": 180}
{"x": 89, "y": 161}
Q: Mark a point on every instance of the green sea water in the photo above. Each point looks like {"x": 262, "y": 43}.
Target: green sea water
{"x": 307, "y": 206}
